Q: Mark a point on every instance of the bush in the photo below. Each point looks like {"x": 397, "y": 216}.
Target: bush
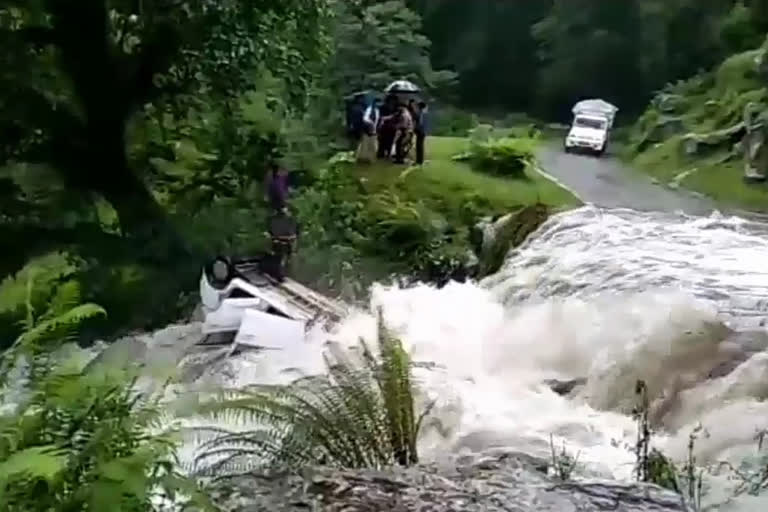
{"x": 507, "y": 157}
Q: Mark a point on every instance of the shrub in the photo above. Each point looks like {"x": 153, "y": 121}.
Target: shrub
{"x": 360, "y": 415}
{"x": 507, "y": 157}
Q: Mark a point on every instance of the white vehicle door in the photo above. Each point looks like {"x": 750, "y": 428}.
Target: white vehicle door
{"x": 264, "y": 330}
{"x": 228, "y": 316}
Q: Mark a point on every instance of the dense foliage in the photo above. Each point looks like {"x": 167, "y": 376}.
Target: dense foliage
{"x": 79, "y": 438}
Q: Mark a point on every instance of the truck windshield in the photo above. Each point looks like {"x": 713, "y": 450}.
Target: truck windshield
{"x": 588, "y": 122}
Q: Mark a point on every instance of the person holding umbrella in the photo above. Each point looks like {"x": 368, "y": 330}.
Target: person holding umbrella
{"x": 404, "y": 91}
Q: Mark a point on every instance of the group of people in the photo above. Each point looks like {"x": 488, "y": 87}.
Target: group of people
{"x": 388, "y": 131}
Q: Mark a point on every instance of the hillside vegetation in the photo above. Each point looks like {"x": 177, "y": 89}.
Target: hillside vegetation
{"x": 691, "y": 134}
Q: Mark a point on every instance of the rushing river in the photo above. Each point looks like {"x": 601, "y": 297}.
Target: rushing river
{"x": 612, "y": 296}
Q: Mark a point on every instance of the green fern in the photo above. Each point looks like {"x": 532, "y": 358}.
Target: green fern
{"x": 72, "y": 440}
{"x": 48, "y": 331}
{"x": 361, "y": 414}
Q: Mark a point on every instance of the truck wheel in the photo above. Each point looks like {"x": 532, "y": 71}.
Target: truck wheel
{"x": 568, "y": 150}
{"x": 220, "y": 272}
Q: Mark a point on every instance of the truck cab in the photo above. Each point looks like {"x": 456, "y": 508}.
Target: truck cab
{"x": 588, "y": 132}
{"x": 591, "y": 126}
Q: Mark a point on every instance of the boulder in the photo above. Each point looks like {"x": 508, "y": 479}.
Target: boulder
{"x": 565, "y": 387}
{"x": 507, "y": 232}
{"x": 491, "y": 482}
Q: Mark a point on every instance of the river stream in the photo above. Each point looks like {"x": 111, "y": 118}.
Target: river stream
{"x": 609, "y": 295}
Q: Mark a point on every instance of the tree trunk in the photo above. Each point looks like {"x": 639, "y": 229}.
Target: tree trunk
{"x": 140, "y": 215}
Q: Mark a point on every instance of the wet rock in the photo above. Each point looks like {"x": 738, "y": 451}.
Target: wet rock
{"x": 507, "y": 232}
{"x": 163, "y": 348}
{"x": 121, "y": 353}
{"x": 736, "y": 349}
{"x": 489, "y": 483}
{"x": 565, "y": 387}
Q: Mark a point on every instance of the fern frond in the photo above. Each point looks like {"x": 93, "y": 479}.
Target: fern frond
{"x": 59, "y": 325}
{"x": 66, "y": 297}
{"x": 35, "y": 463}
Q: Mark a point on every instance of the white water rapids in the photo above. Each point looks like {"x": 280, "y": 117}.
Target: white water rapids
{"x": 610, "y": 295}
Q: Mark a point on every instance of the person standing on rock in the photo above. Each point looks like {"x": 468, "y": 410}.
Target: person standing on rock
{"x": 283, "y": 233}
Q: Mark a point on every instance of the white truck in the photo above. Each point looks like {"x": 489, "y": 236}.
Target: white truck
{"x": 591, "y": 126}
{"x": 243, "y": 307}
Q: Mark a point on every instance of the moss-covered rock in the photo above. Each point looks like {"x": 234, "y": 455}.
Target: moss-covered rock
{"x": 507, "y": 232}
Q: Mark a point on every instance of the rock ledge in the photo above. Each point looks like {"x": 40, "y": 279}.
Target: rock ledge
{"x": 509, "y": 482}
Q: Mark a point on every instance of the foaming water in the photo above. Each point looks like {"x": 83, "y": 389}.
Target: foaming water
{"x": 610, "y": 296}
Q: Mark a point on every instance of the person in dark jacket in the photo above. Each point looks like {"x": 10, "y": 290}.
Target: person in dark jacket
{"x": 422, "y": 130}
{"x": 283, "y": 232}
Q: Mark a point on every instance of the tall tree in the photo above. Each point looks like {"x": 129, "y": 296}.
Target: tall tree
{"x": 377, "y": 42}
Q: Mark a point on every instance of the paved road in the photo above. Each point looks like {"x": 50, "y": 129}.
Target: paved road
{"x": 609, "y": 183}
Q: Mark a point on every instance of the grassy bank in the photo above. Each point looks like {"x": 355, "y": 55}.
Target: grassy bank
{"x": 448, "y": 186}
{"x": 689, "y": 136}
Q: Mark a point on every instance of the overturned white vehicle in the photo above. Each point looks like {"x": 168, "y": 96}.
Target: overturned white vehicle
{"x": 245, "y": 307}
{"x": 591, "y": 126}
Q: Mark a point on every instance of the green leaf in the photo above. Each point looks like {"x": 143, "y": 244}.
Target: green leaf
{"x": 38, "y": 462}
